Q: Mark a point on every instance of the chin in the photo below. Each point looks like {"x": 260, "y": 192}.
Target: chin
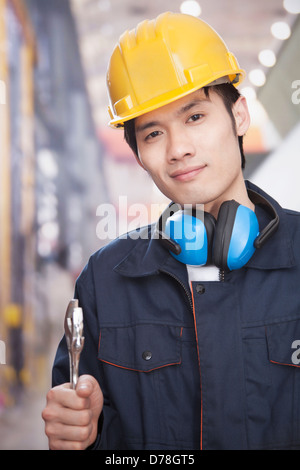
{"x": 190, "y": 202}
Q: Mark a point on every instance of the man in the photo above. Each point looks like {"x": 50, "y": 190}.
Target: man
{"x": 186, "y": 355}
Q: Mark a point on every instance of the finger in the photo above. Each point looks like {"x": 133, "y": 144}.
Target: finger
{"x": 65, "y": 432}
{"x": 69, "y": 437}
{"x": 70, "y": 417}
{"x": 65, "y": 397}
{"x": 67, "y": 445}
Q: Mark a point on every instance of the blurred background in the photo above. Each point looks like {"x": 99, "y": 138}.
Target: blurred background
{"x": 60, "y": 163}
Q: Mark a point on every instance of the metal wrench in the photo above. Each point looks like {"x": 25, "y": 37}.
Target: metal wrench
{"x": 75, "y": 340}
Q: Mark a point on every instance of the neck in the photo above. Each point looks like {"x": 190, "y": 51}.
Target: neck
{"x": 240, "y": 195}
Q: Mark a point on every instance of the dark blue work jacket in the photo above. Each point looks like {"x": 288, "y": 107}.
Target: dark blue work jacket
{"x": 211, "y": 365}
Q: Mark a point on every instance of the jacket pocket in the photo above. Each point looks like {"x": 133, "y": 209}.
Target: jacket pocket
{"x": 284, "y": 343}
{"x": 273, "y": 385}
{"x": 151, "y": 382}
{"x": 141, "y": 347}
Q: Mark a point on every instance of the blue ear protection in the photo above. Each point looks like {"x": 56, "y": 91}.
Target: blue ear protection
{"x": 193, "y": 232}
{"x": 196, "y": 238}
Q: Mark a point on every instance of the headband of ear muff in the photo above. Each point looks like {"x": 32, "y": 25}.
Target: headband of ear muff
{"x": 196, "y": 238}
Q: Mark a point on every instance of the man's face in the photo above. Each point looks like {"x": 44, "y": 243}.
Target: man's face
{"x": 190, "y": 149}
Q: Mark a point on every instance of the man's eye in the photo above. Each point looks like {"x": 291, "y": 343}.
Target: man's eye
{"x": 195, "y": 117}
{"x": 152, "y": 135}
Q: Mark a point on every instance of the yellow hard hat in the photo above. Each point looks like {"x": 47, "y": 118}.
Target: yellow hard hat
{"x": 165, "y": 59}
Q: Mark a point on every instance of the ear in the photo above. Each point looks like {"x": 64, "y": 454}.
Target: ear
{"x": 241, "y": 115}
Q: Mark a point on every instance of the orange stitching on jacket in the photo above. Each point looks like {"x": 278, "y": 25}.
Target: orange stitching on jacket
{"x": 284, "y": 363}
{"x": 139, "y": 370}
{"x": 195, "y": 326}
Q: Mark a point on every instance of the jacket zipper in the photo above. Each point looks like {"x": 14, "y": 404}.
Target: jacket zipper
{"x": 192, "y": 306}
{"x": 182, "y": 285}
{"x": 190, "y": 297}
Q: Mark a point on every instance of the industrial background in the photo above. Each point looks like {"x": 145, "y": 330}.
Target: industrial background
{"x": 60, "y": 161}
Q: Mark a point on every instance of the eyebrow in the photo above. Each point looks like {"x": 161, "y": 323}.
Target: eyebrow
{"x": 179, "y": 112}
{"x": 193, "y": 103}
{"x": 145, "y": 126}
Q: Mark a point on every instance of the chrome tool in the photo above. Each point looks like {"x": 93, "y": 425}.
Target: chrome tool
{"x": 74, "y": 336}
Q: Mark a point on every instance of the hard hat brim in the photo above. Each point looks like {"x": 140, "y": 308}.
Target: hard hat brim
{"x": 160, "y": 101}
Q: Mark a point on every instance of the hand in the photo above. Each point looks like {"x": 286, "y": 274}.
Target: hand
{"x": 71, "y": 416}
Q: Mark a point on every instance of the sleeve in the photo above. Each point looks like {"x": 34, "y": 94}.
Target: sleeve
{"x": 89, "y": 364}
{"x": 109, "y": 429}
{"x": 84, "y": 292}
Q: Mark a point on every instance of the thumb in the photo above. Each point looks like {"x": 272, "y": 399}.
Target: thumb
{"x": 86, "y": 385}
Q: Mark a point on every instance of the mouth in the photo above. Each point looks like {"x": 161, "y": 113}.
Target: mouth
{"x": 187, "y": 174}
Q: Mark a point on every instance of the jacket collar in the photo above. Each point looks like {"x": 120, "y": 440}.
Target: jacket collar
{"x": 278, "y": 252}
{"x": 149, "y": 256}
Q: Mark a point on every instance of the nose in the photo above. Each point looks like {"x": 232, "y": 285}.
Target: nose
{"x": 179, "y": 145}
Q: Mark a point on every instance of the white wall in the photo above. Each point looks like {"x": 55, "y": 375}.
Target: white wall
{"x": 279, "y": 174}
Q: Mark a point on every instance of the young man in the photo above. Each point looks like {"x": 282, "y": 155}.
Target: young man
{"x": 186, "y": 355}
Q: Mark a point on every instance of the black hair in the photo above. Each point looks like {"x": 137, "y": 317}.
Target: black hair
{"x": 229, "y": 95}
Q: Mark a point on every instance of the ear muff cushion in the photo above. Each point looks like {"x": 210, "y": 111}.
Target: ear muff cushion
{"x": 223, "y": 231}
{"x": 194, "y": 235}
{"x": 244, "y": 233}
